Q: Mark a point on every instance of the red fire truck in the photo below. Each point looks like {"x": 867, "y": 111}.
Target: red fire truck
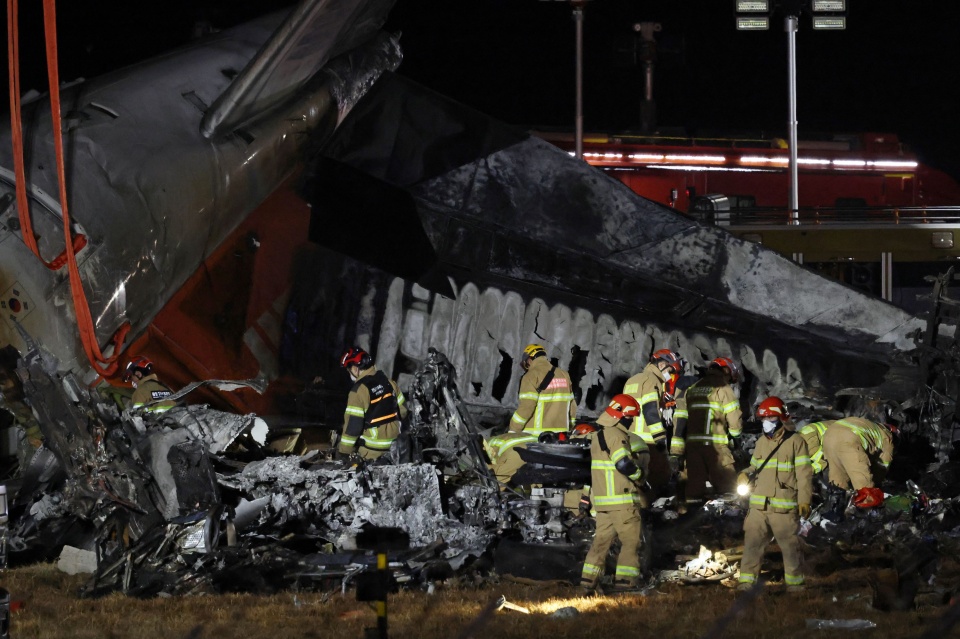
{"x": 871, "y": 214}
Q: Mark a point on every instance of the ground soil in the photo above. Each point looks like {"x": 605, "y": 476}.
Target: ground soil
{"x": 47, "y": 606}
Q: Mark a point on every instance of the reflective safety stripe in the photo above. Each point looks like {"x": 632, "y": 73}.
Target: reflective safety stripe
{"x": 377, "y": 444}
{"x": 503, "y": 445}
{"x": 792, "y": 580}
{"x": 748, "y": 578}
{"x": 631, "y": 389}
{"x": 152, "y": 409}
{"x": 590, "y": 570}
{"x": 759, "y": 501}
{"x": 677, "y": 446}
{"x": 729, "y": 408}
{"x": 865, "y": 434}
{"x": 708, "y": 439}
{"x": 680, "y": 412}
{"x": 356, "y": 411}
{"x": 627, "y": 571}
{"x": 615, "y": 500}
{"x": 346, "y": 440}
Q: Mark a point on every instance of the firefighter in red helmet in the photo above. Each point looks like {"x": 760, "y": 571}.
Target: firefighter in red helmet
{"x": 780, "y": 484}
{"x": 619, "y": 459}
{"x": 713, "y": 419}
{"x": 375, "y": 406}
{"x": 149, "y": 392}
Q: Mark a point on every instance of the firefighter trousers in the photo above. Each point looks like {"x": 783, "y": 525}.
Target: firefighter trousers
{"x": 709, "y": 462}
{"x": 847, "y": 461}
{"x": 626, "y": 525}
{"x": 757, "y": 528}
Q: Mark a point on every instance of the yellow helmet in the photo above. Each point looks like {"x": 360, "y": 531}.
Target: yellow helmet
{"x": 533, "y": 351}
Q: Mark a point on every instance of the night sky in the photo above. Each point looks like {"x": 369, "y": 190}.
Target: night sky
{"x": 892, "y": 70}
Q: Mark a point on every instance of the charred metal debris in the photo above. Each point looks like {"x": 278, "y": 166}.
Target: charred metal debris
{"x": 190, "y": 500}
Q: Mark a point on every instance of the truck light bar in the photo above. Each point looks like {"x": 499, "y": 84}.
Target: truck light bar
{"x": 707, "y": 162}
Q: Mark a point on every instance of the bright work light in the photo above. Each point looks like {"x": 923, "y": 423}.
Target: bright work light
{"x": 752, "y": 24}
{"x": 743, "y": 489}
{"x": 829, "y": 6}
{"x": 832, "y": 23}
{"x": 752, "y": 6}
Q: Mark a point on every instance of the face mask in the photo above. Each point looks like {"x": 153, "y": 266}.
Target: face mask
{"x": 770, "y": 427}
{"x": 133, "y": 382}
{"x": 666, "y": 374}
{"x": 353, "y": 377}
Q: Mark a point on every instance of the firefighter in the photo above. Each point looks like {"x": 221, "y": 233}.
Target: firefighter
{"x": 545, "y": 405}
{"x": 713, "y": 423}
{"x": 618, "y": 459}
{"x": 375, "y": 407}
{"x": 780, "y": 485}
{"x": 813, "y": 435}
{"x": 146, "y": 387}
{"x": 857, "y": 452}
{"x": 545, "y": 402}
{"x": 647, "y": 387}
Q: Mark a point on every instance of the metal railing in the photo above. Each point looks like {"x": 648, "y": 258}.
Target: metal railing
{"x": 867, "y": 216}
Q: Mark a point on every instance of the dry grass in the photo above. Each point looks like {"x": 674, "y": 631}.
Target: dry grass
{"x": 51, "y": 610}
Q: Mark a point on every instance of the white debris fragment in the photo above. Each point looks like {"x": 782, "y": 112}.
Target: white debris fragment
{"x": 76, "y": 561}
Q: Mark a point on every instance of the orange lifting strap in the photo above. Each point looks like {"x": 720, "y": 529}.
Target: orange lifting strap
{"x": 105, "y": 366}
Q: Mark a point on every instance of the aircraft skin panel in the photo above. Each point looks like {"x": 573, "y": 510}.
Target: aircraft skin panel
{"x": 517, "y": 216}
{"x": 153, "y": 197}
{"x": 313, "y": 33}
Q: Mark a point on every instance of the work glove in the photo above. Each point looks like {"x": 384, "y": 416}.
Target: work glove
{"x": 804, "y": 511}
{"x": 584, "y": 508}
{"x": 661, "y": 444}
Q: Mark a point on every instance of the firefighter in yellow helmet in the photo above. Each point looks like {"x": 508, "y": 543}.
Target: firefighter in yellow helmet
{"x": 713, "y": 418}
{"x": 618, "y": 458}
{"x": 647, "y": 387}
{"x": 149, "y": 392}
{"x": 545, "y": 401}
{"x": 545, "y": 405}
{"x": 375, "y": 407}
{"x": 780, "y": 484}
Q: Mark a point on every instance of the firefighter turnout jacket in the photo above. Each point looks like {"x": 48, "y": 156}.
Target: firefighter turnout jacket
{"x": 375, "y": 407}
{"x": 647, "y": 388}
{"x": 813, "y": 436}
{"x": 856, "y": 451}
{"x": 787, "y": 479}
{"x": 150, "y": 389}
{"x": 610, "y": 487}
{"x": 546, "y": 402}
{"x": 712, "y": 415}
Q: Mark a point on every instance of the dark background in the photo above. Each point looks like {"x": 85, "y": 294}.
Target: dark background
{"x": 893, "y": 70}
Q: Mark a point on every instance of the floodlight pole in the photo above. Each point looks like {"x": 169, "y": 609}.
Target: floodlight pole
{"x": 791, "y": 28}
{"x": 578, "y": 23}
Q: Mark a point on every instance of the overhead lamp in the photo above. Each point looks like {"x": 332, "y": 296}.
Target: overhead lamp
{"x": 829, "y": 6}
{"x": 829, "y": 23}
{"x": 752, "y": 6}
{"x": 746, "y": 23}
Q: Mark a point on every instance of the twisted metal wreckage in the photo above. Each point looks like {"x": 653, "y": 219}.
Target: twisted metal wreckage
{"x": 189, "y": 500}
{"x": 505, "y": 238}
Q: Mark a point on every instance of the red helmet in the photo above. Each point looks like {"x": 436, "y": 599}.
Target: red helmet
{"x": 584, "y": 428}
{"x": 623, "y": 405}
{"x": 670, "y": 357}
{"x": 868, "y": 497}
{"x": 772, "y": 407}
{"x": 138, "y": 363}
{"x": 730, "y": 365}
{"x": 356, "y": 356}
